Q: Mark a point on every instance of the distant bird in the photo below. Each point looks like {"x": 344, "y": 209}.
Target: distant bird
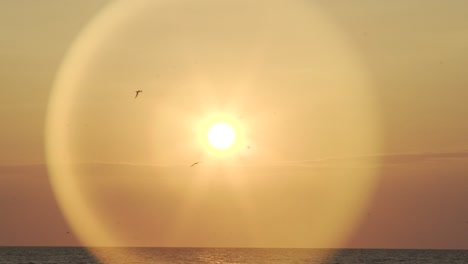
{"x": 195, "y": 163}
{"x": 137, "y": 92}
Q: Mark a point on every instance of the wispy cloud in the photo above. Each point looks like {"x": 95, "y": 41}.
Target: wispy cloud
{"x": 383, "y": 159}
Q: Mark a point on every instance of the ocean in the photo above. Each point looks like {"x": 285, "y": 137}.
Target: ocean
{"x": 79, "y": 255}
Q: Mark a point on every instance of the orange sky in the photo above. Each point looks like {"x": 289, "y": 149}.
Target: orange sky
{"x": 353, "y": 112}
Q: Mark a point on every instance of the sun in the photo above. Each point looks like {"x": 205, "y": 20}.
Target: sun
{"x": 221, "y": 136}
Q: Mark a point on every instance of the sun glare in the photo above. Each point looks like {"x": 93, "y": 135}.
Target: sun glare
{"x": 221, "y": 136}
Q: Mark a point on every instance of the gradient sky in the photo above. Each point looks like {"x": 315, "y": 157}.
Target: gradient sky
{"x": 384, "y": 165}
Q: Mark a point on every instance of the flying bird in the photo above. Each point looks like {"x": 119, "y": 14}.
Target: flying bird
{"x": 195, "y": 163}
{"x": 137, "y": 92}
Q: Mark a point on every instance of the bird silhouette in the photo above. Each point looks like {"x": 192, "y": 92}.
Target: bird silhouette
{"x": 137, "y": 92}
{"x": 195, "y": 163}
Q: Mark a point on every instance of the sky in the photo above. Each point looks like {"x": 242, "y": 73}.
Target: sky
{"x": 350, "y": 121}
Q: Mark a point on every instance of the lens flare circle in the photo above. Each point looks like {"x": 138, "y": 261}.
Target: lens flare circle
{"x": 286, "y": 80}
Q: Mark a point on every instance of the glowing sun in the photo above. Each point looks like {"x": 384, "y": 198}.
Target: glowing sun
{"x": 221, "y": 136}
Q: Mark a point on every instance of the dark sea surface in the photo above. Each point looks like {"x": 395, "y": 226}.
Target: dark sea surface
{"x": 56, "y": 255}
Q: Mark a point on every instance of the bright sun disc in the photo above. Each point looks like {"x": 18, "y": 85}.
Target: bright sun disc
{"x": 221, "y": 136}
